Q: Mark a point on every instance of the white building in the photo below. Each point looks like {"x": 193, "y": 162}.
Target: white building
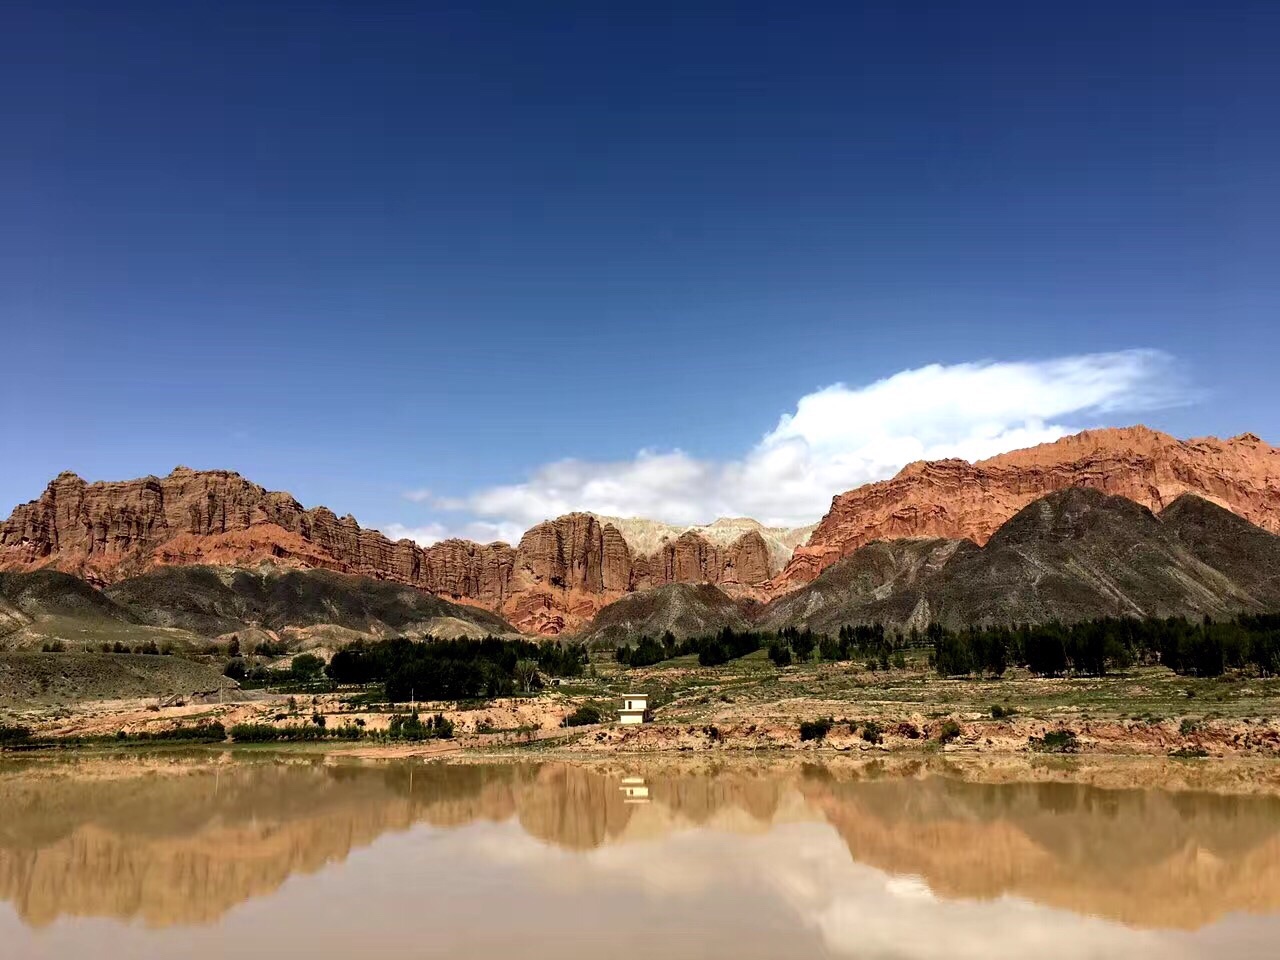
{"x": 634, "y": 707}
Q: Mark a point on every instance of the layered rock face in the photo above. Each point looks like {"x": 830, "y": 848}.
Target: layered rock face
{"x": 565, "y": 570}
{"x": 957, "y": 499}
{"x": 555, "y": 579}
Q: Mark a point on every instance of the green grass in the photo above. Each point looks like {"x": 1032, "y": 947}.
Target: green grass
{"x": 689, "y": 693}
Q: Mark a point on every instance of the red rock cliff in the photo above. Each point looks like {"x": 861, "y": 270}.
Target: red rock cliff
{"x": 955, "y": 498}
{"x": 559, "y": 575}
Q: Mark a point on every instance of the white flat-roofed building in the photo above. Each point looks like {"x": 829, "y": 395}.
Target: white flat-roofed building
{"x": 634, "y": 707}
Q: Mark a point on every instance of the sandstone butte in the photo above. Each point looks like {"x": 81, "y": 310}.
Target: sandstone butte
{"x": 564, "y": 570}
{"x": 555, "y": 579}
{"x": 958, "y": 499}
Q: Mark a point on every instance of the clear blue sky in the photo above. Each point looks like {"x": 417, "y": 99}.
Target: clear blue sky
{"x": 356, "y": 249}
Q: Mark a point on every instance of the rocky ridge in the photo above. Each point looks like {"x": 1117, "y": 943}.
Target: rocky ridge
{"x": 1074, "y": 554}
{"x": 956, "y": 499}
{"x": 561, "y": 572}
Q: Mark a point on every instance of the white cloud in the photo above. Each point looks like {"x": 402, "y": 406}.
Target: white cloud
{"x": 481, "y": 531}
{"x": 423, "y": 536}
{"x": 844, "y": 435}
{"x": 421, "y": 495}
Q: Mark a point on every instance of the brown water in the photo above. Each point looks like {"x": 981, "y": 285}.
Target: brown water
{"x": 203, "y": 858}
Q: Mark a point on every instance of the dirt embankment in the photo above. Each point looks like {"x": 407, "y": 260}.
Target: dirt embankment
{"x": 953, "y": 735}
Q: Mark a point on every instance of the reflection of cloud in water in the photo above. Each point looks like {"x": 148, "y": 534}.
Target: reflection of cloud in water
{"x": 855, "y": 909}
{"x": 764, "y": 862}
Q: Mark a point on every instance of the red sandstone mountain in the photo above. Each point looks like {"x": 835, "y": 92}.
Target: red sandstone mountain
{"x": 556, "y": 578}
{"x": 564, "y": 570}
{"x": 958, "y": 499}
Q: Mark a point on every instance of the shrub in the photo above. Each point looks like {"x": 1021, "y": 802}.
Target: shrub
{"x": 1055, "y": 741}
{"x": 409, "y": 727}
{"x": 647, "y": 652}
{"x": 14, "y": 734}
{"x": 205, "y": 732}
{"x": 803, "y": 643}
{"x": 255, "y": 732}
{"x": 713, "y": 733}
{"x": 831, "y": 649}
{"x": 1188, "y": 726}
{"x": 269, "y": 733}
{"x": 816, "y": 729}
{"x": 872, "y": 733}
{"x": 442, "y": 726}
{"x": 713, "y": 654}
{"x": 949, "y": 731}
{"x": 999, "y": 712}
{"x": 583, "y": 716}
{"x": 306, "y": 666}
{"x": 907, "y": 730}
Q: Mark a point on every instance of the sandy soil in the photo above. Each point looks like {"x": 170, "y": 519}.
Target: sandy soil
{"x": 750, "y": 708}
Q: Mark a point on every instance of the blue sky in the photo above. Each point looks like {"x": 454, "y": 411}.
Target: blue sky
{"x": 363, "y": 251}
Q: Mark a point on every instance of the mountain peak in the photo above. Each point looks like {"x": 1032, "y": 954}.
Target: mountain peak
{"x": 958, "y": 499}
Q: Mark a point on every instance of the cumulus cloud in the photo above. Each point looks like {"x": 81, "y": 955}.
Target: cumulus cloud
{"x": 845, "y": 435}
{"x": 481, "y": 531}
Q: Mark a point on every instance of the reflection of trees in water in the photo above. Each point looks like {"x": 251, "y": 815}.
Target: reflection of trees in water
{"x": 183, "y": 842}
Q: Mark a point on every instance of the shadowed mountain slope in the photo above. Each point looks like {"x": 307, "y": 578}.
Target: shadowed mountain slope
{"x": 184, "y": 606}
{"x": 214, "y": 600}
{"x": 1072, "y": 555}
{"x": 961, "y": 500}
{"x": 684, "y": 609}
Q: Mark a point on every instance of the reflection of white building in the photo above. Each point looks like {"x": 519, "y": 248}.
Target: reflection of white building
{"x": 634, "y": 706}
{"x": 634, "y": 790}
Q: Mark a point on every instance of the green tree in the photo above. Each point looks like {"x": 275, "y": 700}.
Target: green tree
{"x": 306, "y": 667}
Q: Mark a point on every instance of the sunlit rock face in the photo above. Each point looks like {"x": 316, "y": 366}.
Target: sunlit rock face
{"x": 558, "y": 576}
{"x": 565, "y": 570}
{"x": 956, "y": 499}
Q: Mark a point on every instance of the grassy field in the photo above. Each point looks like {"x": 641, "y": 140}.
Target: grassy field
{"x": 688, "y": 693}
{"x": 748, "y": 704}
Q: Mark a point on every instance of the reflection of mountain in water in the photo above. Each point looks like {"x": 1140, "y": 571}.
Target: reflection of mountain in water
{"x": 177, "y": 843}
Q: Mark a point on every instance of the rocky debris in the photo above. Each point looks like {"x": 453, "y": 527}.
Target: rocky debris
{"x": 956, "y": 499}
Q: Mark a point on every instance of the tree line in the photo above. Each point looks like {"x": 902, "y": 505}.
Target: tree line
{"x": 869, "y": 643}
{"x": 455, "y": 669}
{"x": 1204, "y": 648}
